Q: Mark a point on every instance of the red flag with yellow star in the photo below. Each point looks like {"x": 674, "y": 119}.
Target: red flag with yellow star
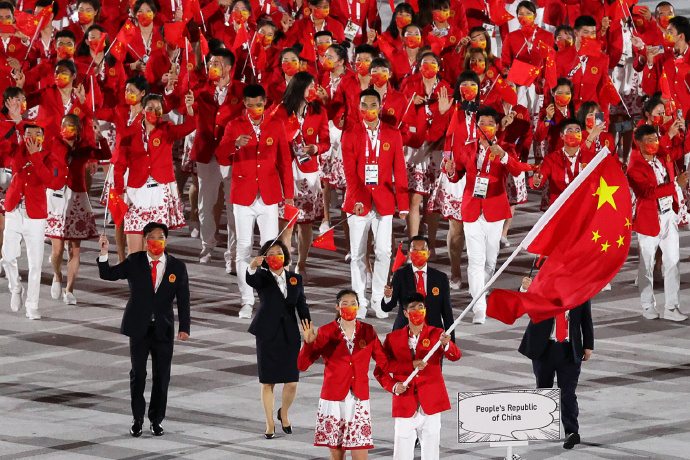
{"x": 522, "y": 73}
{"x": 586, "y": 240}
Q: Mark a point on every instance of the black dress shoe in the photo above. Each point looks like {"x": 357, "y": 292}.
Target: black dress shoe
{"x": 286, "y": 429}
{"x": 157, "y": 429}
{"x": 136, "y": 429}
{"x": 571, "y": 440}
{"x": 269, "y": 435}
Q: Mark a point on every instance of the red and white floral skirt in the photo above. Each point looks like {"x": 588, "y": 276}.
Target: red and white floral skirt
{"x": 516, "y": 189}
{"x": 332, "y": 170}
{"x": 70, "y": 216}
{"x": 308, "y": 196}
{"x": 423, "y": 168}
{"x": 446, "y": 198}
{"x": 344, "y": 424}
{"x": 153, "y": 202}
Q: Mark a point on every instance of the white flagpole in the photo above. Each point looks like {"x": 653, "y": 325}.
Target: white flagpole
{"x": 538, "y": 227}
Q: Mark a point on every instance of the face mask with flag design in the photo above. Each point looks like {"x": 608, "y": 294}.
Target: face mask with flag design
{"x": 145, "y": 19}
{"x": 469, "y": 93}
{"x": 155, "y": 247}
{"x": 572, "y": 139}
{"x": 240, "y": 17}
{"x": 362, "y": 68}
{"x": 348, "y": 313}
{"x": 429, "y": 70}
{"x": 417, "y": 316}
{"x": 402, "y": 21}
{"x": 85, "y": 18}
{"x": 369, "y": 115}
{"x": 275, "y": 262}
{"x": 68, "y": 132}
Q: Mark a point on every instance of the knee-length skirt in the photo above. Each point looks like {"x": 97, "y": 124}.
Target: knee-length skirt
{"x": 153, "y": 202}
{"x": 70, "y": 216}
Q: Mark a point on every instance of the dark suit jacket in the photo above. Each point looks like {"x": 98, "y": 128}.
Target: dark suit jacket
{"x": 581, "y": 330}
{"x": 275, "y": 311}
{"x": 144, "y": 302}
{"x": 439, "y": 312}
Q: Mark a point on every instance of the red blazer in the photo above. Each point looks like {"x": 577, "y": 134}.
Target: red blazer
{"x": 520, "y": 132}
{"x": 394, "y": 105}
{"x": 678, "y": 80}
{"x": 314, "y": 131}
{"x": 76, "y": 159}
{"x": 159, "y": 64}
{"x": 495, "y": 206}
{"x": 156, "y": 161}
{"x": 344, "y": 370}
{"x": 401, "y": 67}
{"x": 429, "y": 128}
{"x": 212, "y": 119}
{"x": 15, "y": 49}
{"x": 553, "y": 169}
{"x": 137, "y": 44}
{"x": 551, "y": 131}
{"x": 261, "y": 166}
{"x": 427, "y": 388}
{"x": 119, "y": 116}
{"x": 32, "y": 175}
{"x": 348, "y": 93}
{"x": 368, "y": 16}
{"x": 392, "y": 168}
{"x": 644, "y": 184}
{"x": 514, "y": 46}
{"x": 303, "y": 31}
{"x": 587, "y": 86}
{"x": 50, "y": 101}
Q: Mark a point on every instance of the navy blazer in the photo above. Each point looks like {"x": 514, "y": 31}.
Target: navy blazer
{"x": 144, "y": 303}
{"x": 276, "y": 312}
{"x": 439, "y": 311}
{"x": 581, "y": 332}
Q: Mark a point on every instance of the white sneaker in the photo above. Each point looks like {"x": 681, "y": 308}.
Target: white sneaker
{"x": 370, "y": 279}
{"x": 348, "y": 256}
{"x": 479, "y": 317}
{"x": 230, "y": 267}
{"x": 69, "y": 298}
{"x": 245, "y": 311}
{"x": 377, "y": 309}
{"x": 16, "y": 300}
{"x": 325, "y": 225}
{"x": 206, "y": 255}
{"x": 194, "y": 233}
{"x": 455, "y": 284}
{"x": 650, "y": 313}
{"x": 32, "y": 313}
{"x": 504, "y": 242}
{"x": 674, "y": 315}
{"x": 361, "y": 312}
{"x": 55, "y": 289}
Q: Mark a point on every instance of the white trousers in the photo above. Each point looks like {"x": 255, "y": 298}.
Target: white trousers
{"x": 483, "y": 241}
{"x": 382, "y": 228}
{"x": 425, "y": 427}
{"x": 668, "y": 241}
{"x": 18, "y": 227}
{"x": 266, "y": 217}
{"x": 210, "y": 177}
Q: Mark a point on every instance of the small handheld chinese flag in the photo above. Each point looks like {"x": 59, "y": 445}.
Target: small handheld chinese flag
{"x": 290, "y": 214}
{"x": 498, "y": 13}
{"x": 326, "y": 241}
{"x": 241, "y": 38}
{"x": 399, "y": 258}
{"x": 522, "y": 73}
{"x": 308, "y": 53}
{"x": 26, "y": 23}
{"x": 384, "y": 46}
{"x": 116, "y": 206}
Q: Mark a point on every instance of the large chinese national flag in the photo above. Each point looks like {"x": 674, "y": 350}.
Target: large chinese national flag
{"x": 586, "y": 240}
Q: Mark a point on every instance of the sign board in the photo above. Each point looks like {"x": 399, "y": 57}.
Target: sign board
{"x": 509, "y": 415}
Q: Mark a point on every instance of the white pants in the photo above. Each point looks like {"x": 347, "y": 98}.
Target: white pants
{"x": 210, "y": 177}
{"x": 266, "y": 217}
{"x": 483, "y": 240}
{"x": 425, "y": 427}
{"x": 18, "y": 227}
{"x": 668, "y": 241}
{"x": 382, "y": 228}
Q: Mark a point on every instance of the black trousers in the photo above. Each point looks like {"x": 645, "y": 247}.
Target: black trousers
{"x": 161, "y": 359}
{"x": 558, "y": 361}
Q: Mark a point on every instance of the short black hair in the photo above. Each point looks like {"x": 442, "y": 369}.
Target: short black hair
{"x": 527, "y": 4}
{"x": 564, "y": 28}
{"x": 584, "y": 21}
{"x": 323, "y": 33}
{"x": 95, "y": 4}
{"x": 365, "y": 48}
{"x": 569, "y": 121}
{"x": 417, "y": 238}
{"x": 64, "y": 33}
{"x": 268, "y": 245}
{"x": 343, "y": 292}
{"x": 253, "y": 90}
{"x": 584, "y": 110}
{"x": 28, "y": 126}
{"x": 9, "y": 93}
{"x": 438, "y": 4}
{"x": 139, "y": 3}
{"x": 151, "y": 226}
{"x": 370, "y": 92}
{"x": 644, "y": 130}
{"x": 226, "y": 54}
{"x": 7, "y": 6}
{"x": 139, "y": 82}
{"x": 487, "y": 111}
{"x": 340, "y": 51}
{"x": 68, "y": 64}
{"x": 413, "y": 297}
{"x": 650, "y": 104}
{"x": 152, "y": 97}
{"x": 682, "y": 26}
{"x": 381, "y": 62}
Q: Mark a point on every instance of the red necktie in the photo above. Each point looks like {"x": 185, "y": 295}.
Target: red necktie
{"x": 420, "y": 283}
{"x": 154, "y": 272}
{"x": 561, "y": 327}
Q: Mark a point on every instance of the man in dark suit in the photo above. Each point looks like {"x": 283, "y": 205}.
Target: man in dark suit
{"x": 155, "y": 280}
{"x": 558, "y": 346}
{"x": 419, "y": 277}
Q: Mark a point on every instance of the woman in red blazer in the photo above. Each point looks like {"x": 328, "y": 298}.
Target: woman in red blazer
{"x": 151, "y": 186}
{"x": 347, "y": 347}
{"x": 306, "y": 126}
{"x": 405, "y": 63}
{"x": 70, "y": 217}
{"x": 403, "y": 15}
{"x": 107, "y": 71}
{"x": 147, "y": 38}
{"x": 594, "y": 134}
{"x": 551, "y": 116}
{"x": 480, "y": 62}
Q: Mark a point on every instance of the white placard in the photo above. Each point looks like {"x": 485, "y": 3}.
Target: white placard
{"x": 509, "y": 415}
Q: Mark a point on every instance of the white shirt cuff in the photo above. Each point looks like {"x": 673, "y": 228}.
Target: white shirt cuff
{"x": 103, "y": 258}
{"x": 394, "y": 387}
{"x": 387, "y": 299}
{"x": 504, "y": 160}
{"x": 251, "y": 271}
{"x": 446, "y": 347}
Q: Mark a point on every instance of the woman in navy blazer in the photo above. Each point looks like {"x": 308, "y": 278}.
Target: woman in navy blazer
{"x": 281, "y": 297}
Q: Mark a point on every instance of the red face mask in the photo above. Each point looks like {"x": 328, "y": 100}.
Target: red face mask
{"x": 97, "y": 45}
{"x": 369, "y": 115}
{"x": 663, "y": 21}
{"x": 419, "y": 258}
{"x": 479, "y": 44}
{"x": 589, "y": 122}
{"x": 85, "y": 18}
{"x": 657, "y": 120}
{"x": 290, "y": 68}
{"x": 255, "y": 113}
{"x": 321, "y": 48}
{"x": 131, "y": 99}
{"x": 312, "y": 96}
{"x": 469, "y": 93}
{"x": 668, "y": 40}
{"x": 240, "y": 17}
{"x": 214, "y": 73}
{"x": 379, "y": 79}
{"x": 572, "y": 139}
{"x": 416, "y": 317}
{"x": 490, "y": 131}
{"x": 478, "y": 67}
{"x": 275, "y": 262}
{"x": 145, "y": 19}
{"x": 320, "y": 13}
{"x": 413, "y": 41}
{"x": 23, "y": 106}
{"x": 441, "y": 16}
{"x": 362, "y": 68}
{"x": 526, "y": 21}
{"x": 328, "y": 65}
{"x": 266, "y": 40}
{"x": 652, "y": 148}
{"x": 61, "y": 80}
{"x": 68, "y": 132}
{"x": 155, "y": 247}
{"x": 348, "y": 313}
{"x": 562, "y": 99}
{"x": 429, "y": 70}
{"x": 153, "y": 117}
{"x": 65, "y": 52}
{"x": 402, "y": 21}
